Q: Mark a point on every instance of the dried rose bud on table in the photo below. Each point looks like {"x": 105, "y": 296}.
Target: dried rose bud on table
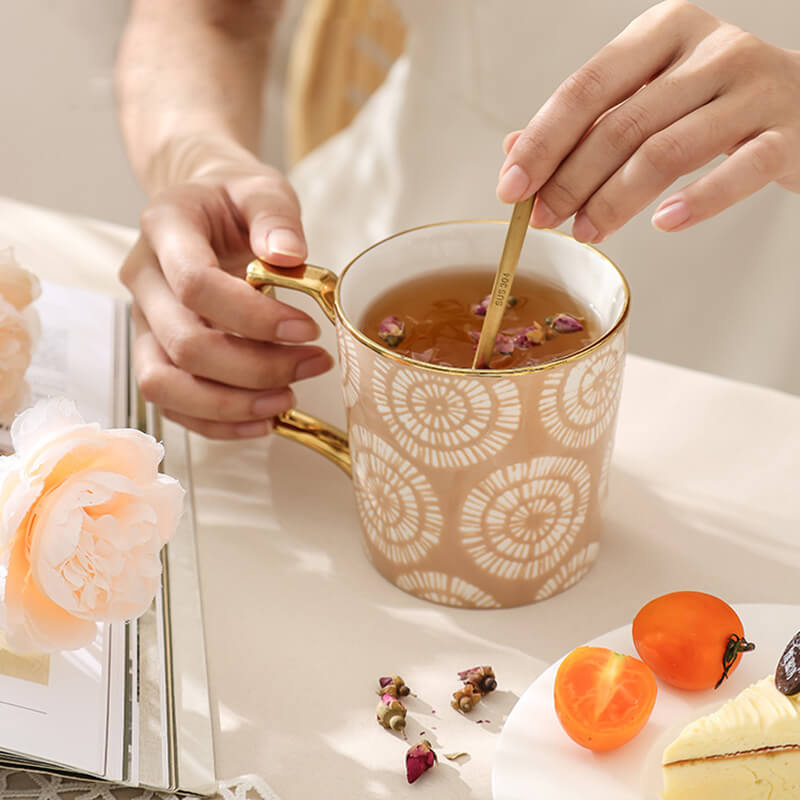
{"x": 482, "y": 678}
{"x": 466, "y": 698}
{"x": 393, "y": 685}
{"x": 391, "y": 713}
{"x": 419, "y": 759}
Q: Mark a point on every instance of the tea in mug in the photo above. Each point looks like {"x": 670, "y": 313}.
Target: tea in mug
{"x": 438, "y": 318}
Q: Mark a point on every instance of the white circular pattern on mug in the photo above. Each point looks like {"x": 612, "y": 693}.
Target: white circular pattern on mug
{"x": 570, "y": 573}
{"x": 578, "y": 403}
{"x": 348, "y": 361}
{"x": 521, "y": 521}
{"x": 445, "y": 589}
{"x": 446, "y": 420}
{"x": 398, "y": 507}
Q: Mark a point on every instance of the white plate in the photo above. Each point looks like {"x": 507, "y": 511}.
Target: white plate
{"x": 536, "y": 759}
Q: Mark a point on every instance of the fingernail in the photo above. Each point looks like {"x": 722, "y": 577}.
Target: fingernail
{"x": 249, "y": 430}
{"x": 315, "y": 365}
{"x": 268, "y": 405}
{"x": 513, "y": 185}
{"x": 543, "y": 215}
{"x": 671, "y": 216}
{"x": 297, "y": 330}
{"x": 285, "y": 242}
{"x": 583, "y": 230}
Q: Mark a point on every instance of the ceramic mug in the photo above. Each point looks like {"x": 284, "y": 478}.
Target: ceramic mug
{"x": 475, "y": 488}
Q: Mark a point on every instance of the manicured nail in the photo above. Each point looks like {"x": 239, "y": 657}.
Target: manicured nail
{"x": 315, "y": 365}
{"x": 268, "y": 405}
{"x": 513, "y": 185}
{"x": 671, "y": 216}
{"x": 583, "y": 230}
{"x": 285, "y": 242}
{"x": 543, "y": 215}
{"x": 297, "y": 330}
{"x": 249, "y": 430}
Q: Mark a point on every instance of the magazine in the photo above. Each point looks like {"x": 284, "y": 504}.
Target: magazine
{"x": 131, "y": 708}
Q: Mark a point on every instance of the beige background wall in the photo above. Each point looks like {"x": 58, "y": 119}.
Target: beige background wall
{"x": 59, "y": 143}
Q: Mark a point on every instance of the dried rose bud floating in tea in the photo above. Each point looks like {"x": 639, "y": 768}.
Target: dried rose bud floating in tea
{"x": 438, "y": 319}
{"x": 392, "y": 330}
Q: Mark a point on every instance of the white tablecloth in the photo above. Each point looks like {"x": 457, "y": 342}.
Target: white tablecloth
{"x": 703, "y": 495}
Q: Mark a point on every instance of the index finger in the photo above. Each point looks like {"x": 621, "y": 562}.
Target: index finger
{"x": 609, "y": 77}
{"x": 227, "y": 302}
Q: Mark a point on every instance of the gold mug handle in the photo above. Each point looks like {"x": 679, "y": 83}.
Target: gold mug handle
{"x": 320, "y": 436}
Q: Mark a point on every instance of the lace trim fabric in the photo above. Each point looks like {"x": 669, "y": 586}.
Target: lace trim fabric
{"x": 19, "y": 784}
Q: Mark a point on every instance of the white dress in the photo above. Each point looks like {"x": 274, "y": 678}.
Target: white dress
{"x": 722, "y": 297}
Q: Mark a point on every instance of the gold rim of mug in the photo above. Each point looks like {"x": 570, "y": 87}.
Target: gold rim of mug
{"x": 385, "y": 351}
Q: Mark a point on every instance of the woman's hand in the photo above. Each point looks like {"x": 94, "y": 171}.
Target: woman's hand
{"x": 213, "y": 353}
{"x": 675, "y": 89}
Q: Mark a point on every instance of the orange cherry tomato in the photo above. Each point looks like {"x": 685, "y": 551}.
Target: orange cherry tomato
{"x": 602, "y": 698}
{"x": 691, "y": 640}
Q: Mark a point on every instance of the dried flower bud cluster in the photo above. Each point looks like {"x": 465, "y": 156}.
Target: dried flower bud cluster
{"x": 392, "y": 330}
{"x": 535, "y": 334}
{"x": 391, "y": 714}
{"x": 420, "y": 757}
{"x": 478, "y": 681}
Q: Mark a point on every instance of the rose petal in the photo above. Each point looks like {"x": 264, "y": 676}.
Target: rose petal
{"x": 33, "y": 428}
{"x": 35, "y": 623}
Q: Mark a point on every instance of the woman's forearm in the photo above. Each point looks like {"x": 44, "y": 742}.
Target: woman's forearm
{"x": 189, "y": 80}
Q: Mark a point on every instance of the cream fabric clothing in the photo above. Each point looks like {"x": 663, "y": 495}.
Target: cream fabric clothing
{"x": 426, "y": 147}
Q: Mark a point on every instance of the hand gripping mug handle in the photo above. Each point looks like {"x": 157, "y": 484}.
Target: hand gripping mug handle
{"x": 293, "y": 424}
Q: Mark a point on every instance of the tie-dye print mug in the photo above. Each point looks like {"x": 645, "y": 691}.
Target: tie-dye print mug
{"x": 480, "y": 489}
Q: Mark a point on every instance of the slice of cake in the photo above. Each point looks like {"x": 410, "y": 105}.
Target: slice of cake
{"x": 747, "y": 750}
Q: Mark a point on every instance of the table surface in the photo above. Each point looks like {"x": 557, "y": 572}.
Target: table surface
{"x": 703, "y": 494}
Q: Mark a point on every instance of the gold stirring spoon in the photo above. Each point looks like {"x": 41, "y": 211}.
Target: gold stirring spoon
{"x": 512, "y": 247}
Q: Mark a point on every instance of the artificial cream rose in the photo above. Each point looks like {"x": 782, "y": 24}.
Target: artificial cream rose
{"x": 18, "y": 286}
{"x": 84, "y": 514}
{"x": 17, "y": 337}
{"x": 19, "y": 328}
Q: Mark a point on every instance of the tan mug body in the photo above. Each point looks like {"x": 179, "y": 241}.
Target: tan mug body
{"x": 475, "y": 488}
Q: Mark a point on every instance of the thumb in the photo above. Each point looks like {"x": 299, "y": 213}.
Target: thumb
{"x": 272, "y": 213}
